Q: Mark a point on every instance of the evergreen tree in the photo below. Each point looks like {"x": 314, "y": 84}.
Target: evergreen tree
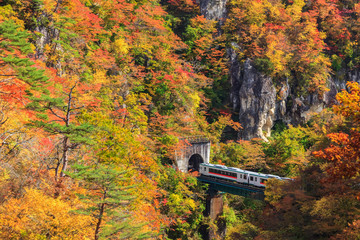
{"x": 14, "y": 48}
{"x": 108, "y": 200}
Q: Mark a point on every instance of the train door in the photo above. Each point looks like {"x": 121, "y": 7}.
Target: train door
{"x": 251, "y": 180}
{"x": 204, "y": 170}
{"x": 256, "y": 181}
{"x": 243, "y": 178}
{"x": 238, "y": 177}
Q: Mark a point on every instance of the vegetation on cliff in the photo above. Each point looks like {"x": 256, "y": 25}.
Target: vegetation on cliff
{"x": 95, "y": 96}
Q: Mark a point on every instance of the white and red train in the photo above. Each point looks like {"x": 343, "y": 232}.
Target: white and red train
{"x": 236, "y": 174}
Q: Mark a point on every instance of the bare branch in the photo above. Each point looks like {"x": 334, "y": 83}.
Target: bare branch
{"x": 53, "y": 112}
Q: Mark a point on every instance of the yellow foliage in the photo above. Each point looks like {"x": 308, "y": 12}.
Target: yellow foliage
{"x": 276, "y": 54}
{"x": 121, "y": 46}
{"x": 37, "y": 216}
{"x": 7, "y": 13}
{"x": 274, "y": 190}
{"x": 295, "y": 9}
{"x": 257, "y": 12}
{"x": 49, "y": 5}
{"x": 100, "y": 77}
{"x": 193, "y": 102}
{"x": 4, "y": 175}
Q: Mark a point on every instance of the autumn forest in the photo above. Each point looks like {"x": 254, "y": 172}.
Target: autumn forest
{"x": 98, "y": 96}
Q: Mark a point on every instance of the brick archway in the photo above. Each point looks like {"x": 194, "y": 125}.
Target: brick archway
{"x": 199, "y": 147}
{"x": 194, "y": 163}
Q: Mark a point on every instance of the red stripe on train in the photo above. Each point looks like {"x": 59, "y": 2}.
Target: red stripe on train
{"x": 222, "y": 175}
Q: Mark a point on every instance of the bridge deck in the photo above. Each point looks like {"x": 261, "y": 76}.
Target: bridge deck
{"x": 233, "y": 187}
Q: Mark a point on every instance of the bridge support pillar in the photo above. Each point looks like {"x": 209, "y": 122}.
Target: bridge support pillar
{"x": 214, "y": 209}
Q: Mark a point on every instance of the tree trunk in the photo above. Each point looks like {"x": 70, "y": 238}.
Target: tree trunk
{"x": 102, "y": 207}
{"x": 65, "y": 156}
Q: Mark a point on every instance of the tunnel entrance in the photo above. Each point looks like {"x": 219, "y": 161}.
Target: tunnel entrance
{"x": 194, "y": 163}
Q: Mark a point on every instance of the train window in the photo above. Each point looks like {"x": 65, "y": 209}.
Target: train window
{"x": 204, "y": 168}
{"x": 255, "y": 179}
{"x": 262, "y": 180}
{"x": 251, "y": 178}
{"x": 244, "y": 176}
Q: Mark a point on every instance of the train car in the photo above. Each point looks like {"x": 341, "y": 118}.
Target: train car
{"x": 236, "y": 174}
{"x": 223, "y": 172}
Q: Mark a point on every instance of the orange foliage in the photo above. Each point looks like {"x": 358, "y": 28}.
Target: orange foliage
{"x": 344, "y": 151}
{"x": 37, "y": 216}
{"x": 349, "y": 103}
{"x": 343, "y": 155}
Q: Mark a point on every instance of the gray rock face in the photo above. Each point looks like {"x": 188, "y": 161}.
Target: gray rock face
{"x": 259, "y": 105}
{"x": 47, "y": 35}
{"x": 213, "y": 9}
{"x": 256, "y": 102}
{"x": 236, "y": 73}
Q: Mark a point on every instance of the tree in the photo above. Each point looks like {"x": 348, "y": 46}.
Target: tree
{"x": 344, "y": 150}
{"x": 108, "y": 197}
{"x": 37, "y": 216}
{"x": 16, "y": 69}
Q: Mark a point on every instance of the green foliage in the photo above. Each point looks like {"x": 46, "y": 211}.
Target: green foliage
{"x": 184, "y": 203}
{"x": 13, "y": 47}
{"x": 264, "y": 65}
{"x": 287, "y": 151}
{"x": 244, "y": 214}
{"x": 242, "y": 154}
{"x": 108, "y": 196}
{"x": 336, "y": 62}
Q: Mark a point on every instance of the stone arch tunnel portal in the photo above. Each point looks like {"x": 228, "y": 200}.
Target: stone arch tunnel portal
{"x": 194, "y": 162}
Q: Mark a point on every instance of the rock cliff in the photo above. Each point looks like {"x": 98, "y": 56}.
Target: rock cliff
{"x": 256, "y": 100}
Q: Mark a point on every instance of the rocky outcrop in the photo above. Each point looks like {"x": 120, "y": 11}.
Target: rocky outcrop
{"x": 254, "y": 97}
{"x": 256, "y": 102}
{"x": 213, "y": 9}
{"x": 260, "y": 105}
{"x": 46, "y": 36}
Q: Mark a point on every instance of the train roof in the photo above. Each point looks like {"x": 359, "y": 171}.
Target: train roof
{"x": 240, "y": 170}
{"x": 223, "y": 167}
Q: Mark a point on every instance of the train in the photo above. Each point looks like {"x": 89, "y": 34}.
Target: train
{"x": 236, "y": 174}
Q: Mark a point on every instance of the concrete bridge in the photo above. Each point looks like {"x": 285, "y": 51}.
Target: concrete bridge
{"x": 196, "y": 151}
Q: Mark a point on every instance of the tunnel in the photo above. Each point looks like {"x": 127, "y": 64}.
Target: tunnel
{"x": 194, "y": 163}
